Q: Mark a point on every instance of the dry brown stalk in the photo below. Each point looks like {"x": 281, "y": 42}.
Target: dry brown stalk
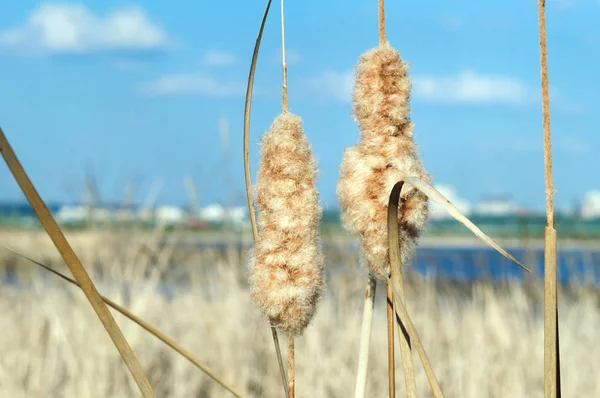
{"x": 75, "y": 266}
{"x": 551, "y": 328}
{"x": 149, "y": 328}
{"x": 248, "y": 178}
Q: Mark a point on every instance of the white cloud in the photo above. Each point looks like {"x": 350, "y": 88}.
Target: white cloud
{"x": 292, "y": 57}
{"x": 197, "y": 84}
{"x": 333, "y": 84}
{"x": 466, "y": 87}
{"x": 471, "y": 87}
{"x": 218, "y": 58}
{"x": 64, "y": 28}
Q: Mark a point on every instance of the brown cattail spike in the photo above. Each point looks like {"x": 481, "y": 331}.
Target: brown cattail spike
{"x": 385, "y": 155}
{"x": 286, "y": 276}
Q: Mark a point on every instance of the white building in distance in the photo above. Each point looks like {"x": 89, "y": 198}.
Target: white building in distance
{"x": 590, "y": 208}
{"x": 497, "y": 206}
{"x": 169, "y": 215}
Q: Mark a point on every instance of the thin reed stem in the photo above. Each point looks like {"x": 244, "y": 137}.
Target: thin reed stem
{"x": 284, "y": 89}
{"x": 282, "y": 372}
{"x": 284, "y": 106}
{"x": 390, "y": 335}
{"x": 551, "y": 327}
{"x": 365, "y": 337}
{"x": 247, "y": 174}
{"x": 381, "y": 19}
{"x": 390, "y": 294}
{"x": 291, "y": 369}
{"x": 75, "y": 266}
{"x": 149, "y": 328}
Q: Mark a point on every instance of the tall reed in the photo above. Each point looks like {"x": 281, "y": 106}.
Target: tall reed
{"x": 286, "y": 267}
{"x": 551, "y": 334}
{"x": 385, "y": 155}
{"x": 248, "y": 178}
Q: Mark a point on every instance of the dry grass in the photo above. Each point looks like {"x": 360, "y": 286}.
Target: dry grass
{"x": 482, "y": 339}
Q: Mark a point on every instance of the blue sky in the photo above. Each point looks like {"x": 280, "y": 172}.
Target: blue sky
{"x": 136, "y": 91}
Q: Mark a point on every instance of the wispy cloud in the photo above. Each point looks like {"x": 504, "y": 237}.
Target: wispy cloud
{"x": 451, "y": 21}
{"x": 193, "y": 84}
{"x": 292, "y": 57}
{"x": 471, "y": 87}
{"x": 216, "y": 58}
{"x": 563, "y": 4}
{"x": 65, "y": 28}
{"x": 332, "y": 85}
{"x": 572, "y": 145}
{"x": 465, "y": 87}
{"x": 128, "y": 64}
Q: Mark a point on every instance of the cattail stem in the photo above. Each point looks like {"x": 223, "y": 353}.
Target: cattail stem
{"x": 390, "y": 335}
{"x": 381, "y": 19}
{"x": 551, "y": 328}
{"x": 291, "y": 369}
{"x": 247, "y": 175}
{"x": 284, "y": 91}
{"x": 546, "y": 115}
{"x": 365, "y": 337}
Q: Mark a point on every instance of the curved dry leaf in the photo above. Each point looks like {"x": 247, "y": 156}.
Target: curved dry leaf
{"x": 75, "y": 266}
{"x": 436, "y": 196}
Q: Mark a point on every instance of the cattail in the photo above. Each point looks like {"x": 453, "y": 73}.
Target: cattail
{"x": 286, "y": 275}
{"x": 385, "y": 155}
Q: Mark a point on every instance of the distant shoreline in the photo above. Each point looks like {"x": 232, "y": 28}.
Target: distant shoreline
{"x": 14, "y": 236}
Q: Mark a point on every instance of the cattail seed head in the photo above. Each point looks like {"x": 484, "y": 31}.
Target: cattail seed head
{"x": 385, "y": 155}
{"x": 286, "y": 275}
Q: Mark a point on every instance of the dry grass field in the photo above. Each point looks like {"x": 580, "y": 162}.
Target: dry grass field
{"x": 483, "y": 339}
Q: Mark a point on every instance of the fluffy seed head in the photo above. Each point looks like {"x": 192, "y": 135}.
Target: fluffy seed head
{"x": 385, "y": 154}
{"x": 286, "y": 275}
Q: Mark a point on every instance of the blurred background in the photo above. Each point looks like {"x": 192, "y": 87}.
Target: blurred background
{"x": 128, "y": 117}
